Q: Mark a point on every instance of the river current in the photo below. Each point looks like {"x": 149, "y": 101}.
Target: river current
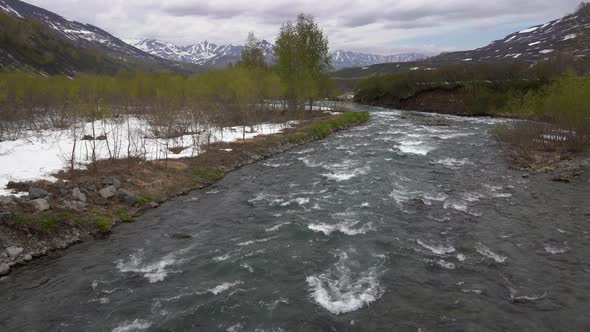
{"x": 412, "y": 222}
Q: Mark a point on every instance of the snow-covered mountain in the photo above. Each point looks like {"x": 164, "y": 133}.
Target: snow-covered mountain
{"x": 213, "y": 55}
{"x": 346, "y": 59}
{"x": 205, "y": 53}
{"x": 83, "y": 35}
{"x": 567, "y": 35}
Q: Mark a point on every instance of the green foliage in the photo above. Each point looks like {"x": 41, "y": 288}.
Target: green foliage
{"x": 296, "y": 138}
{"x": 209, "y": 174}
{"x": 143, "y": 199}
{"x": 124, "y": 215}
{"x": 102, "y": 223}
{"x": 252, "y": 56}
{"x": 303, "y": 59}
{"x": 324, "y": 128}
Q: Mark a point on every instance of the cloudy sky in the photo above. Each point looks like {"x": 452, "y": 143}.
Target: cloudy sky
{"x": 383, "y": 27}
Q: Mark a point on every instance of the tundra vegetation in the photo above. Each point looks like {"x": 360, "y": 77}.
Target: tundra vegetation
{"x": 553, "y": 94}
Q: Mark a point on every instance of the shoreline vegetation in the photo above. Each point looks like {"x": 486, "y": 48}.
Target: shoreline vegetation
{"x": 118, "y": 191}
{"x": 549, "y": 103}
{"x": 132, "y": 140}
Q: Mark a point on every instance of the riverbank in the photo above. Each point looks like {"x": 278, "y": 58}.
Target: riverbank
{"x": 86, "y": 204}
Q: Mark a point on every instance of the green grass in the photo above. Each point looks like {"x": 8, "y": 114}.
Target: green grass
{"x": 208, "y": 174}
{"x": 124, "y": 215}
{"x": 146, "y": 199}
{"x": 102, "y": 223}
{"x": 324, "y": 128}
{"x": 297, "y": 137}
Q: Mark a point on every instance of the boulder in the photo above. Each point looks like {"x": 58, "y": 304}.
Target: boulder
{"x": 77, "y": 194}
{"x": 35, "y": 193}
{"x": 28, "y": 258}
{"x": 126, "y": 197}
{"x": 4, "y": 269}
{"x": 14, "y": 252}
{"x": 7, "y": 200}
{"x": 113, "y": 182}
{"x": 74, "y": 205}
{"x": 108, "y": 192}
{"x": 40, "y": 204}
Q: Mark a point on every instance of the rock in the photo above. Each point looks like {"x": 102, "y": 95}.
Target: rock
{"x": 28, "y": 258}
{"x": 74, "y": 205}
{"x": 7, "y": 200}
{"x": 60, "y": 184}
{"x": 4, "y": 269}
{"x": 91, "y": 188}
{"x": 126, "y": 197}
{"x": 108, "y": 192}
{"x": 40, "y": 204}
{"x": 113, "y": 182}
{"x": 14, "y": 251}
{"x": 77, "y": 194}
{"x": 35, "y": 193}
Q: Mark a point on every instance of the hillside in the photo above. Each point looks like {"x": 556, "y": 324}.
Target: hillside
{"x": 36, "y": 39}
{"x": 568, "y": 36}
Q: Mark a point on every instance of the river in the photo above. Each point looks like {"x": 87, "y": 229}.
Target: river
{"x": 412, "y": 222}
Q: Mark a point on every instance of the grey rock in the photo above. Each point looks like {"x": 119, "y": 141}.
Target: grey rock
{"x": 35, "y": 193}
{"x": 108, "y": 192}
{"x": 126, "y": 197}
{"x": 14, "y": 251}
{"x": 28, "y": 258}
{"x": 75, "y": 205}
{"x": 91, "y": 188}
{"x": 77, "y": 194}
{"x": 4, "y": 269}
{"x": 7, "y": 200}
{"x": 11, "y": 264}
{"x": 60, "y": 184}
{"x": 40, "y": 204}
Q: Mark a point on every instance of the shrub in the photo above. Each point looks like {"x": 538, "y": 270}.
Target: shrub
{"x": 143, "y": 199}
{"x": 124, "y": 215}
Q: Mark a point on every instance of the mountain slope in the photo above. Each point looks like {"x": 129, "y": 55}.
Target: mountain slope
{"x": 42, "y": 41}
{"x": 213, "y": 55}
{"x": 568, "y": 35}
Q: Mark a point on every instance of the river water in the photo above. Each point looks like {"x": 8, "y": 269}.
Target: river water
{"x": 413, "y": 222}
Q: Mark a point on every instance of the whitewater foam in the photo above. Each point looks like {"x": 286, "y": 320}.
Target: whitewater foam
{"x": 276, "y": 227}
{"x": 487, "y": 252}
{"x": 339, "y": 290}
{"x": 154, "y": 272}
{"x": 138, "y": 324}
{"x": 437, "y": 248}
{"x": 224, "y": 287}
{"x": 555, "y": 250}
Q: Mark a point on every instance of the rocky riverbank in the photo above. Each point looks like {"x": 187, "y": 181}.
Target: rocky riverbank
{"x": 87, "y": 204}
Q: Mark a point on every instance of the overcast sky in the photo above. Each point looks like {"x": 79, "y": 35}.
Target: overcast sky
{"x": 383, "y": 27}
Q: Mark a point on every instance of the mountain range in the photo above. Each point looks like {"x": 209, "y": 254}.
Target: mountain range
{"x": 45, "y": 42}
{"x": 213, "y": 55}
